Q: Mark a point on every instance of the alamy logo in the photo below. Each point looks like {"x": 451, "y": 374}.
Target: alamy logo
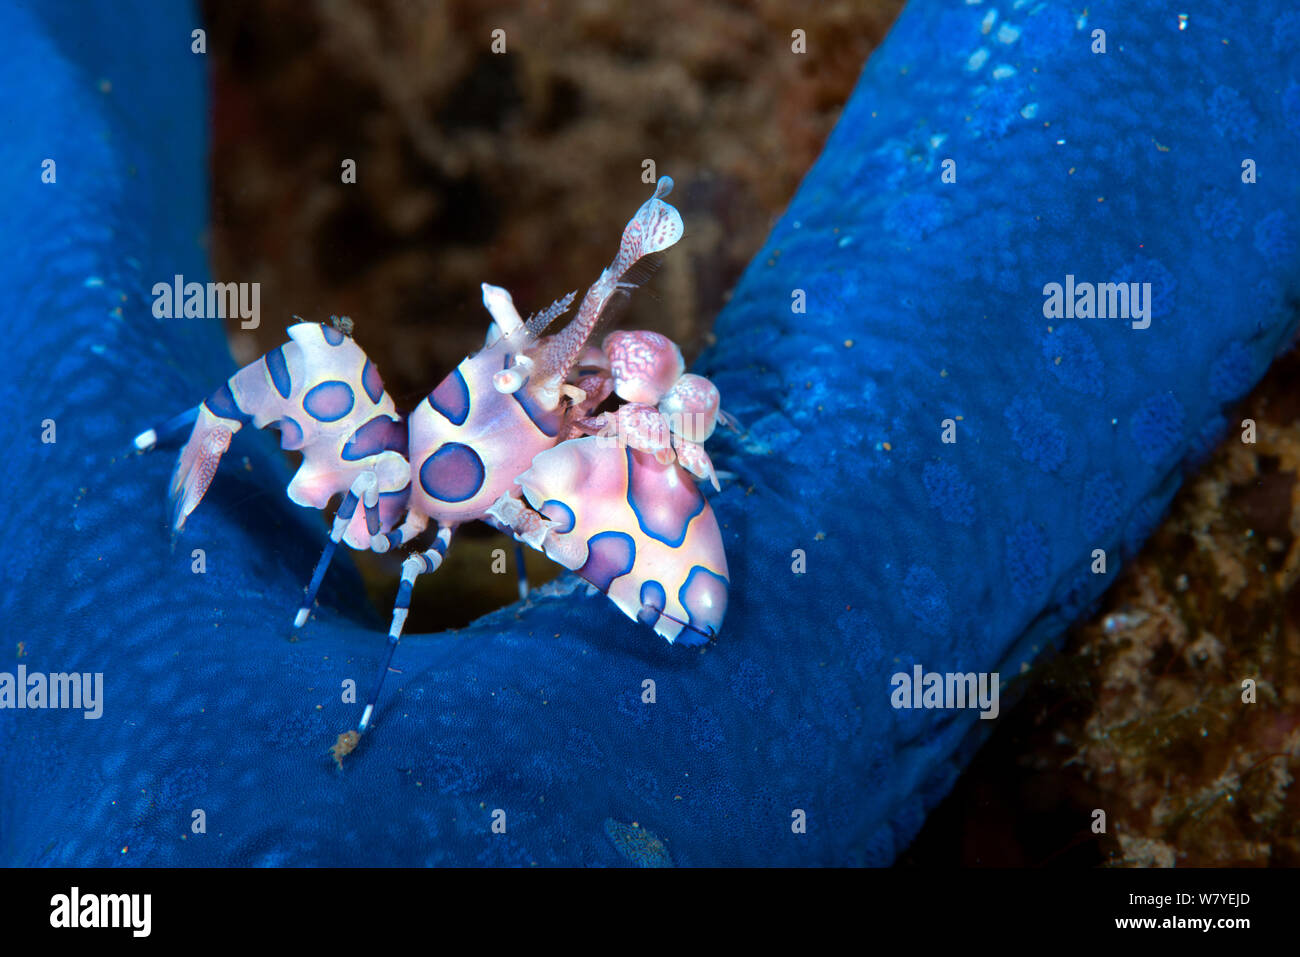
{"x": 103, "y": 910}
{"x": 1104, "y": 300}
{"x": 214, "y": 300}
{"x": 932, "y": 689}
{"x": 83, "y": 691}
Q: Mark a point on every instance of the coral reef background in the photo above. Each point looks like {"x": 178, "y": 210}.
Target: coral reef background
{"x": 511, "y": 168}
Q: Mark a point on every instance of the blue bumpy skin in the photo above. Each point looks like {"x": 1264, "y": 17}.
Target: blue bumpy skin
{"x": 1071, "y": 435}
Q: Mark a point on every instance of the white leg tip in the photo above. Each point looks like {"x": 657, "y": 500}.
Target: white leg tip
{"x": 365, "y": 718}
{"x": 146, "y": 440}
{"x": 399, "y": 621}
{"x": 300, "y": 619}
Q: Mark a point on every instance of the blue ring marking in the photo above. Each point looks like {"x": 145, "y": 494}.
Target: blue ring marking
{"x": 451, "y": 398}
{"x": 653, "y": 595}
{"x": 547, "y": 420}
{"x": 553, "y": 503}
{"x": 291, "y": 434}
{"x": 372, "y": 519}
{"x": 392, "y": 505}
{"x": 332, "y": 335}
{"x": 377, "y": 435}
{"x": 653, "y": 600}
{"x": 222, "y": 402}
{"x": 370, "y": 380}
{"x": 633, "y": 492}
{"x": 694, "y": 616}
{"x": 278, "y": 370}
{"x": 610, "y": 555}
{"x": 454, "y": 473}
{"x": 329, "y": 401}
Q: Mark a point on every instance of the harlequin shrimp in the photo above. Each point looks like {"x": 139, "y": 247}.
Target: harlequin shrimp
{"x": 513, "y": 436}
